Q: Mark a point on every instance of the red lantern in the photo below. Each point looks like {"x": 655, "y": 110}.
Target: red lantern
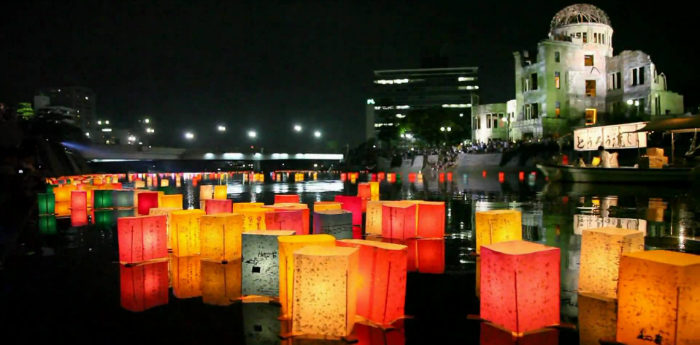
{"x": 521, "y": 176}
{"x": 343, "y": 177}
{"x": 391, "y": 177}
{"x": 352, "y": 204}
{"x": 143, "y": 287}
{"x": 449, "y": 177}
{"x": 381, "y": 176}
{"x": 286, "y": 220}
{"x": 364, "y": 190}
{"x": 373, "y": 177}
{"x": 412, "y": 177}
{"x": 142, "y": 238}
{"x": 430, "y": 255}
{"x": 442, "y": 177}
{"x": 212, "y": 206}
{"x": 147, "y": 201}
{"x": 295, "y": 207}
{"x": 399, "y": 220}
{"x": 501, "y": 177}
{"x": 78, "y": 200}
{"x": 431, "y": 219}
{"x": 286, "y": 198}
{"x": 483, "y": 174}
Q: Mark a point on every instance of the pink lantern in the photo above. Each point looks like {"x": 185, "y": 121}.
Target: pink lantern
{"x": 213, "y": 206}
{"x": 352, "y": 204}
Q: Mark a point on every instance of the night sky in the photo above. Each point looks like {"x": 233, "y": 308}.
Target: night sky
{"x": 266, "y": 65}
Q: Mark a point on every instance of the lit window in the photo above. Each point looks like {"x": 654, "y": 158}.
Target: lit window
{"x": 465, "y": 79}
{"x": 591, "y": 115}
{"x": 556, "y": 80}
{"x": 590, "y": 88}
{"x": 589, "y": 60}
{"x": 557, "y": 110}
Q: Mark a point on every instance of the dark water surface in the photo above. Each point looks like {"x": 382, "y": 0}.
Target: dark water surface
{"x": 69, "y": 288}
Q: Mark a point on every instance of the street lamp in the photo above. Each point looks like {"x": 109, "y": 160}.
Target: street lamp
{"x": 222, "y": 128}
{"x": 449, "y": 129}
{"x": 147, "y": 121}
{"x": 150, "y": 130}
{"x": 317, "y": 134}
{"x": 107, "y": 122}
{"x": 132, "y": 138}
{"x": 442, "y": 129}
{"x": 252, "y": 134}
{"x": 297, "y": 128}
{"x": 189, "y": 136}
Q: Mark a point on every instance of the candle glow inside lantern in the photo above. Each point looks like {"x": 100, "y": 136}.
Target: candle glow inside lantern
{"x": 218, "y": 206}
{"x": 220, "y": 237}
{"x": 364, "y": 190}
{"x": 498, "y": 226}
{"x": 373, "y": 219}
{"x": 221, "y": 283}
{"x": 285, "y": 220}
{"x": 62, "y": 193}
{"x": 220, "y": 192}
{"x": 47, "y": 203}
{"x": 123, "y": 198}
{"x": 240, "y": 206}
{"x": 399, "y": 220}
{"x": 374, "y": 188}
{"x": 184, "y": 232}
{"x": 254, "y": 218}
{"x": 601, "y": 250}
{"x": 260, "y": 262}
{"x": 286, "y": 198}
{"x": 102, "y": 198}
{"x": 352, "y": 204}
{"x": 164, "y": 183}
{"x": 171, "y": 201}
{"x": 523, "y": 285}
{"x": 333, "y": 222}
{"x": 326, "y": 205}
{"x": 186, "y": 274}
{"x": 658, "y": 298}
{"x": 287, "y": 246}
{"x": 147, "y": 201}
{"x": 325, "y": 290}
{"x": 206, "y": 192}
{"x": 78, "y": 200}
{"x": 143, "y": 287}
{"x": 431, "y": 219}
{"x": 597, "y": 318}
{"x": 142, "y": 239}
{"x": 382, "y": 270}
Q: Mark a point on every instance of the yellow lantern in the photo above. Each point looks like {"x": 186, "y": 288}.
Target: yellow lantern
{"x": 374, "y": 188}
{"x": 220, "y": 192}
{"x": 186, "y": 276}
{"x": 206, "y": 192}
{"x": 325, "y": 290}
{"x": 167, "y": 212}
{"x": 600, "y": 258}
{"x": 498, "y": 226}
{"x": 658, "y": 298}
{"x": 254, "y": 218}
{"x": 287, "y": 246}
{"x": 185, "y": 232}
{"x": 139, "y": 184}
{"x": 221, "y": 283}
{"x": 373, "y": 220}
{"x": 240, "y": 206}
{"x": 164, "y": 183}
{"x": 326, "y": 205}
{"x": 597, "y": 319}
{"x": 220, "y": 237}
{"x": 171, "y": 201}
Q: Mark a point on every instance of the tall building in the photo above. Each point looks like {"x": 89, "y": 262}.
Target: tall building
{"x": 81, "y": 99}
{"x": 398, "y": 92}
{"x": 573, "y": 79}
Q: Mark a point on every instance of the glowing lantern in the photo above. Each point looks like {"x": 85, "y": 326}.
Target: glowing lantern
{"x": 105, "y": 218}
{"x": 305, "y": 212}
{"x": 102, "y": 198}
{"x": 325, "y": 295}
{"x": 374, "y": 188}
{"x": 171, "y": 201}
{"x": 431, "y": 219}
{"x": 373, "y": 220}
{"x": 381, "y": 176}
{"x": 333, "y": 222}
{"x": 523, "y": 285}
{"x": 286, "y": 198}
{"x": 597, "y": 319}
{"x": 326, "y": 205}
{"x": 164, "y": 183}
{"x": 287, "y": 246}
{"x": 655, "y": 212}
{"x": 47, "y": 203}
{"x": 240, "y": 206}
{"x": 62, "y": 193}
{"x": 285, "y": 220}
{"x": 483, "y": 174}
{"x": 47, "y": 225}
{"x": 343, "y": 177}
{"x": 206, "y": 192}
{"x": 50, "y": 188}
{"x": 521, "y": 176}
{"x": 449, "y": 177}
{"x": 501, "y": 177}
{"x": 254, "y": 218}
{"x": 441, "y": 177}
{"x": 142, "y": 239}
{"x": 491, "y": 334}
{"x": 364, "y": 190}
{"x": 399, "y": 220}
{"x": 221, "y": 283}
{"x": 657, "y": 298}
{"x": 498, "y": 226}
{"x": 139, "y": 184}
{"x": 146, "y": 201}
{"x": 426, "y": 255}
{"x": 278, "y": 178}
{"x": 600, "y": 258}
{"x": 123, "y": 198}
{"x": 218, "y": 206}
{"x": 260, "y": 263}
{"x": 382, "y": 271}
{"x": 220, "y": 236}
{"x": 78, "y": 218}
{"x": 184, "y": 232}
{"x": 411, "y": 177}
{"x": 167, "y": 212}
{"x": 352, "y": 204}
{"x": 186, "y": 275}
{"x": 220, "y": 192}
{"x": 63, "y": 208}
{"x": 143, "y": 287}
{"x": 391, "y": 177}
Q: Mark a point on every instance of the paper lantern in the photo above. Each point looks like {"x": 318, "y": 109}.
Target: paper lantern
{"x": 62, "y": 193}
{"x": 287, "y": 246}
{"x": 79, "y": 218}
{"x": 186, "y": 274}
{"x": 218, "y": 206}
{"x": 491, "y": 334}
{"x": 142, "y": 238}
{"x": 261, "y": 325}
{"x": 184, "y": 232}
{"x": 50, "y": 188}
{"x": 364, "y": 190}
{"x": 523, "y": 285}
{"x": 102, "y": 198}
{"x": 254, "y": 218}
{"x": 47, "y": 225}
{"x": 352, "y": 204}
{"x": 78, "y": 200}
{"x": 164, "y": 183}
{"x": 143, "y": 287}
{"x": 373, "y": 218}
{"x": 343, "y": 177}
{"x": 600, "y": 258}
{"x": 220, "y": 192}
{"x": 285, "y": 220}
{"x": 286, "y": 198}
{"x": 206, "y": 192}
{"x": 334, "y": 222}
{"x": 426, "y": 255}
{"x": 399, "y": 220}
{"x": 658, "y": 298}
{"x": 171, "y": 201}
{"x": 167, "y": 212}
{"x": 382, "y": 270}
{"x": 240, "y": 206}
{"x": 123, "y": 198}
{"x": 325, "y": 290}
{"x": 326, "y": 205}
{"x": 498, "y": 226}
{"x": 295, "y": 207}
{"x": 147, "y": 201}
{"x": 391, "y": 177}
{"x": 597, "y": 319}
{"x": 260, "y": 263}
{"x": 431, "y": 219}
{"x": 221, "y": 283}
{"x": 220, "y": 236}
{"x": 63, "y": 208}
{"x": 139, "y": 184}
{"x": 47, "y": 203}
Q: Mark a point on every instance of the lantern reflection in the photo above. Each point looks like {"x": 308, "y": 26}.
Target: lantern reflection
{"x": 143, "y": 287}
{"x": 597, "y": 319}
{"x": 494, "y": 335}
{"x": 221, "y": 283}
{"x": 186, "y": 276}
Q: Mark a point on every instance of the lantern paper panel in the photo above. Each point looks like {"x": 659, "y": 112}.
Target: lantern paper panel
{"x": 206, "y": 192}
{"x": 79, "y": 218}
{"x": 221, "y": 283}
{"x": 220, "y": 237}
{"x": 147, "y": 201}
{"x": 102, "y": 198}
{"x": 184, "y": 232}
{"x": 352, "y": 204}
{"x": 47, "y": 203}
{"x": 374, "y": 188}
{"x": 326, "y": 205}
{"x": 78, "y": 200}
{"x": 254, "y": 218}
{"x": 658, "y": 298}
{"x": 139, "y": 184}
{"x": 240, "y": 206}
{"x": 524, "y": 285}
{"x": 325, "y": 295}
{"x": 218, "y": 206}
{"x": 287, "y": 246}
{"x": 429, "y": 255}
{"x": 186, "y": 276}
{"x": 364, "y": 190}
{"x": 171, "y": 201}
{"x": 47, "y": 225}
{"x": 399, "y": 220}
{"x": 62, "y": 193}
{"x": 369, "y": 335}
{"x": 382, "y": 273}
{"x": 285, "y": 220}
{"x": 261, "y": 325}
{"x": 143, "y": 287}
{"x": 305, "y": 213}
{"x": 167, "y": 212}
{"x": 601, "y": 250}
{"x": 494, "y": 335}
{"x": 260, "y": 262}
{"x": 123, "y": 198}
{"x": 142, "y": 238}
{"x": 220, "y": 192}
{"x": 498, "y": 226}
{"x": 373, "y": 218}
{"x": 597, "y": 319}
{"x": 286, "y": 198}
{"x": 337, "y": 223}
{"x": 62, "y": 208}
{"x": 164, "y": 183}
{"x": 431, "y": 219}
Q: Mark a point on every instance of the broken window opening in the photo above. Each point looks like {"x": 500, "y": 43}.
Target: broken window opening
{"x": 591, "y": 115}
{"x": 590, "y": 88}
{"x": 588, "y": 60}
{"x": 556, "y": 80}
{"x": 533, "y": 81}
{"x": 557, "y": 57}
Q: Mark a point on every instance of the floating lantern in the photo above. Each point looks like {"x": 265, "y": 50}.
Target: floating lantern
{"x": 381, "y": 176}
{"x": 325, "y": 295}
{"x": 501, "y": 177}
{"x": 102, "y": 198}
{"x": 164, "y": 183}
{"x": 287, "y": 246}
{"x": 260, "y": 263}
{"x": 399, "y": 220}
{"x": 431, "y": 219}
{"x": 47, "y": 203}
{"x": 218, "y": 206}
{"x": 491, "y": 334}
{"x": 333, "y": 222}
{"x": 411, "y": 177}
{"x": 206, "y": 192}
{"x": 382, "y": 270}
{"x": 143, "y": 287}
{"x": 483, "y": 174}
{"x": 142, "y": 239}
{"x": 364, "y": 190}
{"x": 391, "y": 177}
{"x": 184, "y": 232}
{"x": 286, "y": 198}
{"x": 240, "y": 206}
{"x": 254, "y": 218}
{"x": 343, "y": 177}
{"x": 186, "y": 275}
{"x": 373, "y": 220}
{"x": 171, "y": 201}
{"x": 441, "y": 177}
{"x": 498, "y": 226}
{"x": 47, "y": 225}
{"x": 449, "y": 177}
{"x": 221, "y": 283}
{"x": 597, "y": 319}
{"x": 146, "y": 201}
{"x": 139, "y": 184}
{"x": 220, "y": 192}
{"x": 326, "y": 205}
{"x": 285, "y": 220}
{"x": 78, "y": 200}
{"x": 123, "y": 198}
{"x": 601, "y": 250}
{"x": 62, "y": 193}
{"x": 50, "y": 188}
{"x": 352, "y": 204}
{"x": 374, "y": 187}
{"x": 657, "y": 298}
{"x": 167, "y": 212}
{"x": 523, "y": 285}
{"x": 521, "y": 176}
{"x": 220, "y": 236}
{"x": 305, "y": 212}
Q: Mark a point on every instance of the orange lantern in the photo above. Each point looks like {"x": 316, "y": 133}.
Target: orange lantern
{"x": 164, "y": 183}
{"x": 428, "y": 255}
{"x": 352, "y": 204}
{"x": 260, "y": 262}
{"x": 441, "y": 177}
{"x": 374, "y": 188}
{"x": 483, "y": 174}
{"x": 206, "y": 192}
{"x": 364, "y": 190}
{"x": 167, "y": 213}
{"x": 139, "y": 184}
{"x": 254, "y": 218}
{"x": 286, "y": 198}
{"x": 147, "y": 201}
{"x": 143, "y": 287}
{"x": 63, "y": 193}
{"x": 431, "y": 219}
{"x": 240, "y": 206}
{"x": 221, "y": 283}
{"x": 62, "y": 208}
{"x": 305, "y": 212}
{"x": 285, "y": 220}
{"x": 334, "y": 222}
{"x": 373, "y": 219}
{"x": 184, "y": 234}
{"x": 658, "y": 298}
{"x": 186, "y": 274}
{"x": 382, "y": 270}
{"x": 220, "y": 192}
{"x": 597, "y": 318}
{"x": 218, "y": 206}
{"x": 220, "y": 237}
{"x": 343, "y": 177}
{"x": 498, "y": 226}
{"x": 326, "y": 205}
{"x": 171, "y": 201}
{"x": 142, "y": 239}
{"x": 523, "y": 285}
{"x": 399, "y": 220}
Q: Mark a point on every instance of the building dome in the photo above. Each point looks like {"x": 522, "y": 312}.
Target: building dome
{"x": 579, "y": 14}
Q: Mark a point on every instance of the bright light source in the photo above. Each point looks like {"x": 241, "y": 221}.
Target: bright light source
{"x": 317, "y": 134}
{"x": 400, "y": 116}
{"x": 86, "y": 97}
{"x": 147, "y": 121}
{"x": 222, "y": 128}
{"x": 442, "y": 129}
{"x": 636, "y": 103}
{"x": 107, "y": 122}
{"x": 150, "y": 130}
{"x": 87, "y": 134}
{"x": 132, "y": 138}
{"x": 315, "y": 165}
{"x": 374, "y": 146}
{"x": 449, "y": 129}
{"x": 297, "y": 128}
{"x": 189, "y": 135}
{"x": 106, "y": 129}
{"x": 412, "y": 149}
{"x": 630, "y": 102}
{"x": 99, "y": 123}
{"x": 409, "y": 136}
{"x": 107, "y": 141}
{"x": 369, "y": 101}
{"x": 403, "y": 135}
{"x": 140, "y": 143}
{"x": 461, "y": 115}
{"x": 252, "y": 134}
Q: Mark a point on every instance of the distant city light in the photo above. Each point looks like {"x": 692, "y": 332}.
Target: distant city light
{"x": 315, "y": 165}
{"x": 147, "y": 121}
{"x": 106, "y": 129}
{"x": 107, "y": 141}
{"x": 636, "y": 103}
{"x": 132, "y": 138}
{"x": 442, "y": 129}
{"x": 86, "y": 97}
{"x": 87, "y": 134}
{"x": 222, "y": 128}
{"x": 99, "y": 123}
{"x": 630, "y": 102}
{"x": 400, "y": 116}
{"x": 317, "y": 134}
{"x": 107, "y": 122}
{"x": 409, "y": 136}
{"x": 252, "y": 134}
{"x": 449, "y": 129}
{"x": 189, "y": 135}
{"x": 465, "y": 79}
{"x": 370, "y": 101}
{"x": 461, "y": 115}
{"x": 150, "y": 130}
{"x": 297, "y": 128}
{"x": 140, "y": 143}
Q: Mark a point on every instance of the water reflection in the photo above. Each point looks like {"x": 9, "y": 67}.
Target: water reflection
{"x": 144, "y": 286}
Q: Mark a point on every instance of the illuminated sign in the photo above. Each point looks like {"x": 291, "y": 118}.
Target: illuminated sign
{"x": 610, "y": 137}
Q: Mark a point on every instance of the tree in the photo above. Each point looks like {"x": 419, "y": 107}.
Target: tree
{"x": 425, "y": 125}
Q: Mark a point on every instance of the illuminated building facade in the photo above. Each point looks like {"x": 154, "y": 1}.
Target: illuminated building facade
{"x": 81, "y": 99}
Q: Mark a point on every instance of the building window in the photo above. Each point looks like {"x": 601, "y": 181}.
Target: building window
{"x": 588, "y": 60}
{"x": 526, "y": 84}
{"x": 557, "y": 57}
{"x": 533, "y": 81}
{"x": 585, "y": 37}
{"x": 591, "y": 115}
{"x": 488, "y": 120}
{"x": 531, "y": 111}
{"x": 614, "y": 81}
{"x": 556, "y": 80}
{"x": 557, "y": 110}
{"x": 602, "y": 37}
{"x": 637, "y": 76}
{"x": 595, "y": 37}
{"x": 590, "y": 88}
{"x": 494, "y": 117}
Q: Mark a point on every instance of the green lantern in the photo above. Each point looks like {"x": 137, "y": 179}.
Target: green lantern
{"x": 105, "y": 218}
{"x": 50, "y": 187}
{"x": 102, "y": 198}
{"x": 131, "y": 212}
{"x": 47, "y": 225}
{"x": 123, "y": 198}
{"x": 47, "y": 203}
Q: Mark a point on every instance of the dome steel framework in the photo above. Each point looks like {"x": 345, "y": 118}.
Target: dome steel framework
{"x": 579, "y": 14}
